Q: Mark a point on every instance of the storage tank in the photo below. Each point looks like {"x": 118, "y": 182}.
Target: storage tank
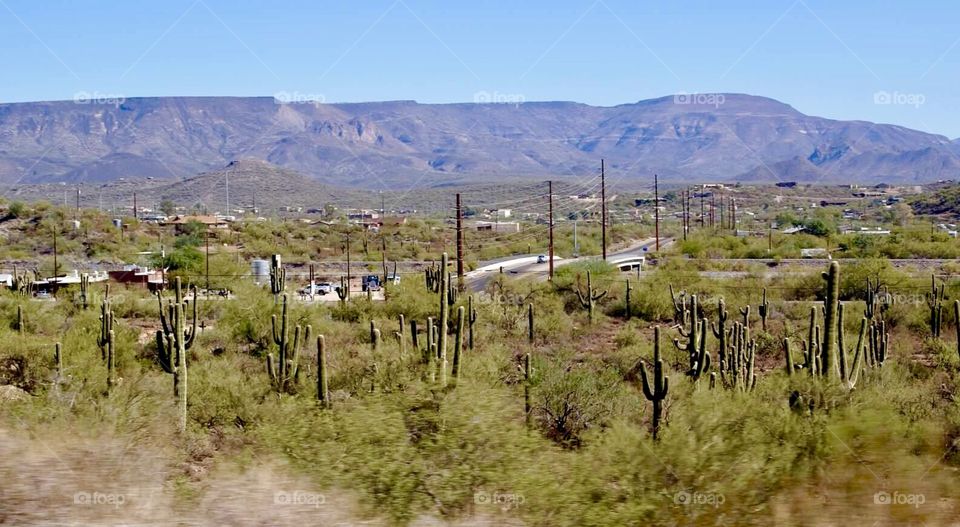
{"x": 261, "y": 271}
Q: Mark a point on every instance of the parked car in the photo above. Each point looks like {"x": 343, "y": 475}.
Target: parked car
{"x": 321, "y": 289}
{"x": 542, "y": 259}
{"x": 371, "y": 282}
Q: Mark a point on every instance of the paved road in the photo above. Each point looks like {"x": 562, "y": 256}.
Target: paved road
{"x": 478, "y": 279}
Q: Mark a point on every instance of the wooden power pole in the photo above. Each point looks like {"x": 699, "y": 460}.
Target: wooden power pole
{"x": 603, "y": 209}
{"x": 460, "y": 283}
{"x": 656, "y": 211}
{"x": 550, "y": 251}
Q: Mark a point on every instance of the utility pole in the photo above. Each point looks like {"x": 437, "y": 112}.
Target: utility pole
{"x": 723, "y": 219}
{"x": 56, "y": 266}
{"x": 207, "y": 258}
{"x": 656, "y": 211}
{"x": 683, "y": 212}
{"x": 702, "y": 210}
{"x": 226, "y": 177}
{"x": 550, "y": 252}
{"x": 135, "y": 206}
{"x": 460, "y": 284}
{"x": 78, "y": 202}
{"x": 603, "y": 209}
{"x": 733, "y": 215}
{"x": 576, "y": 245}
{"x": 348, "y": 267}
{"x": 713, "y": 208}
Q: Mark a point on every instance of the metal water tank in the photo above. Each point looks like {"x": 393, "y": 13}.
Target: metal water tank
{"x": 261, "y": 271}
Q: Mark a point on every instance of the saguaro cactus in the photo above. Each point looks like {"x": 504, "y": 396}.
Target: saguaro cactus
{"x": 692, "y": 345}
{"x": 850, "y": 373}
{"x": 956, "y": 318}
{"x": 111, "y": 359}
{"x": 720, "y": 331}
{"x": 471, "y": 320}
{"x": 343, "y": 293}
{"x": 679, "y": 306}
{"x": 401, "y": 339}
{"x": 58, "y": 360}
{"x": 656, "y": 392}
{"x": 786, "y": 351}
{"x": 877, "y": 299}
{"x": 527, "y": 375}
{"x": 935, "y": 303}
{"x": 458, "y": 345}
{"x": 278, "y": 276}
{"x": 22, "y": 283}
{"x": 828, "y": 350}
{"x": 173, "y": 341}
{"x": 285, "y": 373}
{"x": 764, "y": 309}
{"x": 589, "y": 299}
{"x": 626, "y": 302}
{"x": 323, "y": 388}
{"x": 84, "y": 290}
{"x": 530, "y": 334}
{"x": 20, "y": 323}
{"x": 106, "y": 327}
{"x": 444, "y": 310}
{"x": 175, "y": 337}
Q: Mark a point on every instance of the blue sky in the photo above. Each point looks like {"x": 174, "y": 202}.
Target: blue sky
{"x": 827, "y": 58}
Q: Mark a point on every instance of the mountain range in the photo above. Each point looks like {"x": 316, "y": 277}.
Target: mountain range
{"x": 397, "y": 144}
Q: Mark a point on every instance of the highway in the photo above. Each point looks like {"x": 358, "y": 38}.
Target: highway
{"x": 478, "y": 279}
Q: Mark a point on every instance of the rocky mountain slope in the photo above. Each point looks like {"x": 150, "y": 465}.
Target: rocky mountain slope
{"x": 397, "y": 144}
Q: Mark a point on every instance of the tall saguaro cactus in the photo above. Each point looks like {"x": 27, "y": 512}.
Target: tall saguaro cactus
{"x": 956, "y": 318}
{"x": 589, "y": 299}
{"x": 828, "y": 351}
{"x": 720, "y": 331}
{"x": 106, "y": 324}
{"x": 284, "y": 374}
{"x": 323, "y": 387}
{"x": 278, "y": 276}
{"x": 527, "y": 371}
{"x": 764, "y": 309}
{"x": 935, "y": 303}
{"x": 444, "y": 310}
{"x": 85, "y": 290}
{"x": 627, "y": 310}
{"x": 530, "y": 334}
{"x": 471, "y": 320}
{"x": 458, "y": 345}
{"x": 657, "y": 391}
{"x": 175, "y": 337}
{"x": 692, "y": 345}
{"x": 173, "y": 342}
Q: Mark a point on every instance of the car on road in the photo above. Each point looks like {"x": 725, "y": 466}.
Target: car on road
{"x": 321, "y": 289}
{"x": 542, "y": 259}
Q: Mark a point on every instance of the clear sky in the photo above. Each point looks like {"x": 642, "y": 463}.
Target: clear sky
{"x": 833, "y": 58}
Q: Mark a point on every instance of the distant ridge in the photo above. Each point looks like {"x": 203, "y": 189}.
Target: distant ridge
{"x": 395, "y": 144}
